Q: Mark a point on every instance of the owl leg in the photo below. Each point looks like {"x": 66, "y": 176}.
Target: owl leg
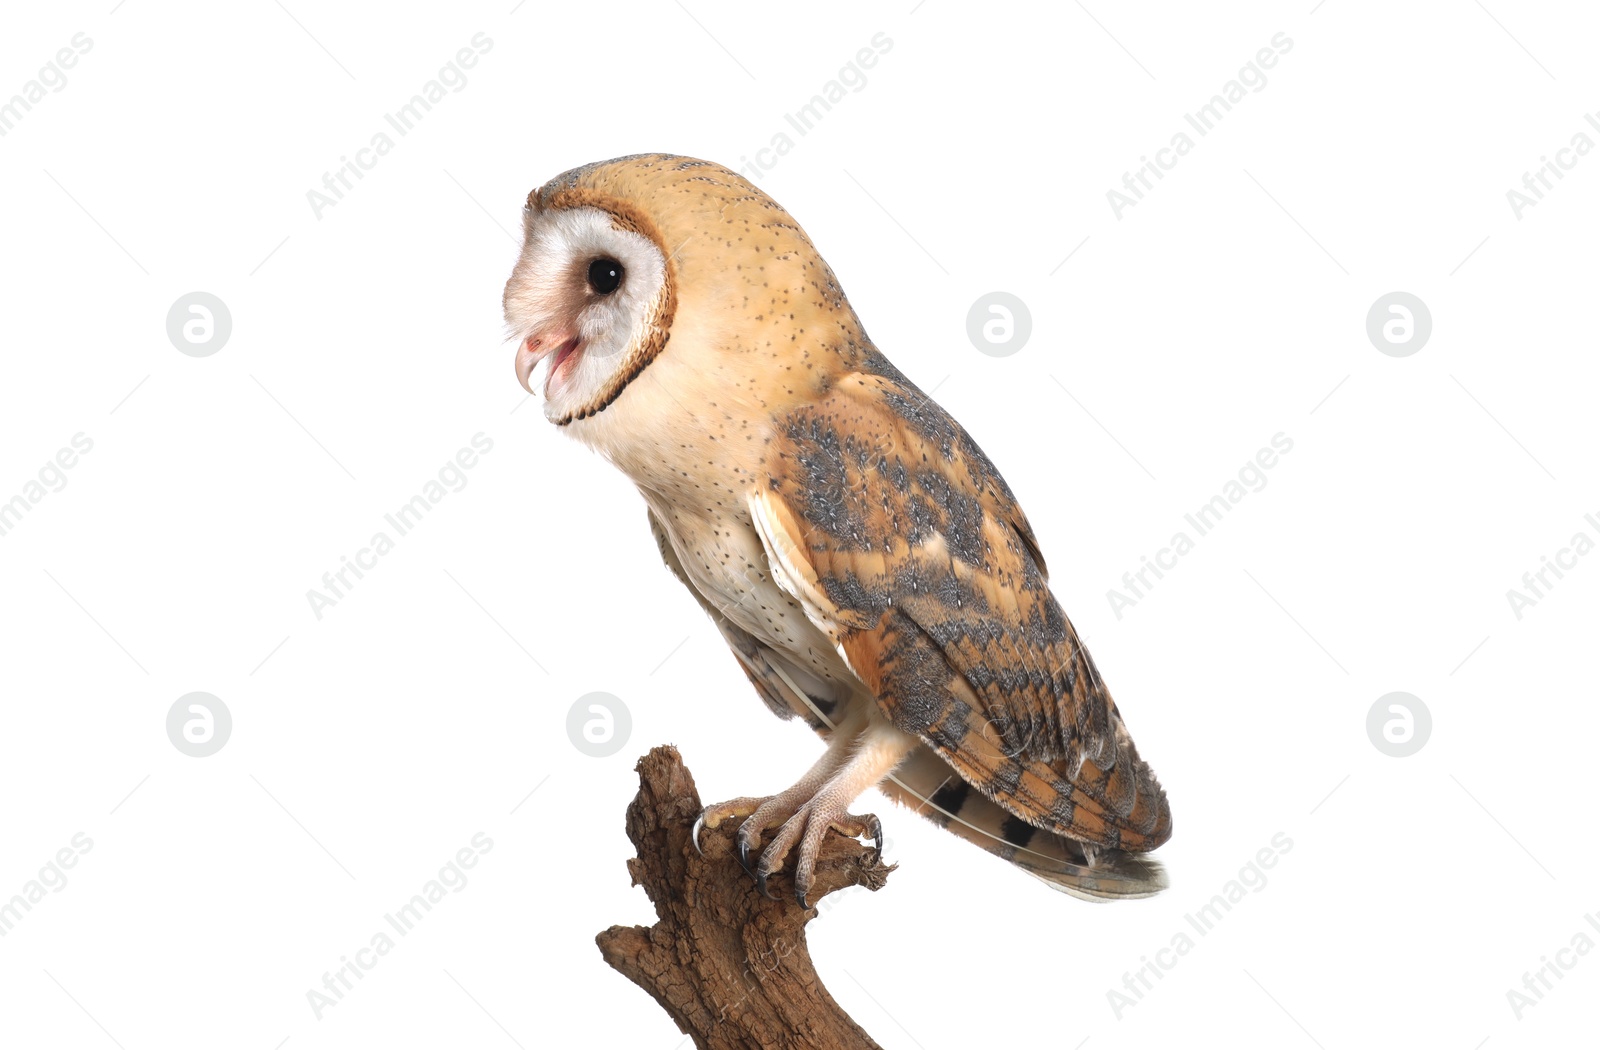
{"x": 872, "y": 756}
{"x": 763, "y": 812}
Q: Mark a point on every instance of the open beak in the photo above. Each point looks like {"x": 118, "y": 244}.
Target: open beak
{"x": 534, "y": 349}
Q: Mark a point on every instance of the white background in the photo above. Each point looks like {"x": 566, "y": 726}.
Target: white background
{"x": 1228, "y": 306}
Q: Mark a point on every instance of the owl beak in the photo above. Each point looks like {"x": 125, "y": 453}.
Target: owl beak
{"x": 529, "y": 354}
{"x": 535, "y": 349}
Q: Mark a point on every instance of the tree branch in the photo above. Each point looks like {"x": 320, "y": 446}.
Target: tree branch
{"x": 730, "y": 966}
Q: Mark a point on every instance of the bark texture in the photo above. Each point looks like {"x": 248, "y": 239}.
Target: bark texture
{"x": 729, "y": 965}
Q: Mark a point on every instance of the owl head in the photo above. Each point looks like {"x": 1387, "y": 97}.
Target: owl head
{"x": 631, "y": 263}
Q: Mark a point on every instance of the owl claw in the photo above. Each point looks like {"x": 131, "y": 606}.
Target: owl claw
{"x": 748, "y": 836}
{"x": 744, "y": 858}
{"x": 803, "y": 834}
{"x": 713, "y": 816}
{"x": 876, "y": 827}
{"x": 744, "y": 839}
{"x": 800, "y": 823}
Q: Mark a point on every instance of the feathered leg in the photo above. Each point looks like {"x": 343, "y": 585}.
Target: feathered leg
{"x": 873, "y": 755}
{"x": 862, "y": 750}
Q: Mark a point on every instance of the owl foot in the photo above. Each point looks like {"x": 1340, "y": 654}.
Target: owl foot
{"x": 821, "y": 800}
{"x": 712, "y": 816}
{"x": 759, "y": 813}
{"x": 800, "y": 818}
{"x": 806, "y": 828}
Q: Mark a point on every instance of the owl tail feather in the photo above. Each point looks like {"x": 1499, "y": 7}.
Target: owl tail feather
{"x": 926, "y": 783}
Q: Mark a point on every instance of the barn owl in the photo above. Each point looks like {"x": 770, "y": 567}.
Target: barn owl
{"x": 864, "y": 560}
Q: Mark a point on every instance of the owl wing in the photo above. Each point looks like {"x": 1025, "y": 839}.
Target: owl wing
{"x": 899, "y": 538}
{"x": 779, "y": 682}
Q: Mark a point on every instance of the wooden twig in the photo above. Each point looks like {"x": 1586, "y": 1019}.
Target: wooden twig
{"x": 730, "y": 966}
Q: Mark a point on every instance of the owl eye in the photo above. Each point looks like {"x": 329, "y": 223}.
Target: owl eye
{"x": 605, "y": 275}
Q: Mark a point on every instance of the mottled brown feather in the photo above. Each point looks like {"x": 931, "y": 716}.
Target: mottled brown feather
{"x": 901, "y": 538}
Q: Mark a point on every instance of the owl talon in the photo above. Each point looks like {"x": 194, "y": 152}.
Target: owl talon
{"x": 713, "y": 816}
{"x": 801, "y": 824}
{"x": 744, "y": 856}
{"x": 874, "y": 827}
